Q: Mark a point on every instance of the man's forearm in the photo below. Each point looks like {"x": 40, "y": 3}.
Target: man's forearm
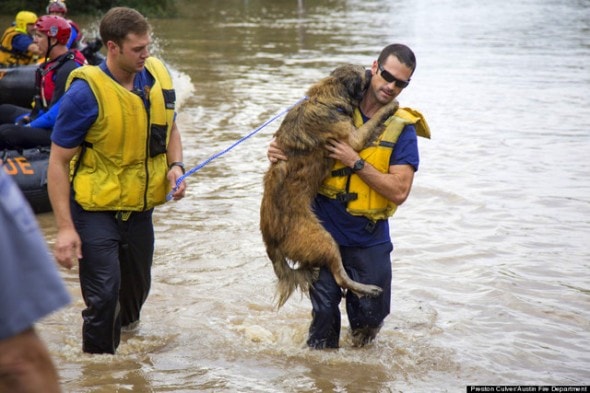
{"x": 58, "y": 187}
{"x": 174, "y": 151}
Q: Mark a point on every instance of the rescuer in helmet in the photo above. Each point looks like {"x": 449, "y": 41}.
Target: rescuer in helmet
{"x": 26, "y": 128}
{"x": 16, "y": 45}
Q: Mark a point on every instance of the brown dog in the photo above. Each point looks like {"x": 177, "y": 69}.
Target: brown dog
{"x": 295, "y": 240}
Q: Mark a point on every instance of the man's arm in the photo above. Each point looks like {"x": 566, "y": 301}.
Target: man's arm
{"x": 47, "y": 119}
{"x": 68, "y": 246}
{"x": 174, "y": 154}
{"x": 395, "y": 185}
{"x": 23, "y": 43}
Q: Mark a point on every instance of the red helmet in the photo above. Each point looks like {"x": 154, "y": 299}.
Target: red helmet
{"x": 57, "y": 6}
{"x": 54, "y": 26}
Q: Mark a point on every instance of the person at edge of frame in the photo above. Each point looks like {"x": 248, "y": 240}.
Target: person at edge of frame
{"x": 30, "y": 289}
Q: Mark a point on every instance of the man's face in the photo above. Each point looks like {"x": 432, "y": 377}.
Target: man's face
{"x": 30, "y": 29}
{"x": 133, "y": 52}
{"x": 383, "y": 90}
{"x": 41, "y": 40}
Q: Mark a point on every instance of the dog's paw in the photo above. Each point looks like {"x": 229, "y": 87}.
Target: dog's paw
{"x": 367, "y": 290}
{"x": 391, "y": 108}
{"x": 385, "y": 112}
{"x": 374, "y": 291}
{"x": 315, "y": 274}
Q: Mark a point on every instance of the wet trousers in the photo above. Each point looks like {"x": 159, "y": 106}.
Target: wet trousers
{"x": 17, "y": 137}
{"x": 9, "y": 113}
{"x": 371, "y": 265}
{"x": 115, "y": 273}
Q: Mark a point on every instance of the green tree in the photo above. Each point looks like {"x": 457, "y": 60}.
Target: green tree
{"x": 150, "y": 8}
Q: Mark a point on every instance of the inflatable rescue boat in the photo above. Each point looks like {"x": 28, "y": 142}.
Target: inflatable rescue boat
{"x": 28, "y": 169}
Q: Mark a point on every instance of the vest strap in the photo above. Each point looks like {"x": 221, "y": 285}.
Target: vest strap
{"x": 387, "y": 144}
{"x": 345, "y": 171}
{"x": 370, "y": 227}
{"x": 346, "y": 197}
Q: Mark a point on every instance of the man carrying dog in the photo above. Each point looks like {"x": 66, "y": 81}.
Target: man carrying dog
{"x": 356, "y": 201}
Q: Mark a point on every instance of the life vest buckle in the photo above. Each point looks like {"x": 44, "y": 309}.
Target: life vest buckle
{"x": 342, "y": 172}
{"x": 123, "y": 215}
{"x": 370, "y": 227}
{"x": 345, "y": 197}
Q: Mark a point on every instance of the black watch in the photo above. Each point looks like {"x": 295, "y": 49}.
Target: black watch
{"x": 178, "y": 164}
{"x": 358, "y": 165}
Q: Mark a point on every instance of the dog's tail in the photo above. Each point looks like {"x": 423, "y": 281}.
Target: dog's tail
{"x": 289, "y": 277}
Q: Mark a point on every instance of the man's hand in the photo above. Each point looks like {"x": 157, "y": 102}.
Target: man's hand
{"x": 23, "y": 121}
{"x": 68, "y": 248}
{"x": 173, "y": 175}
{"x": 274, "y": 153}
{"x": 343, "y": 152}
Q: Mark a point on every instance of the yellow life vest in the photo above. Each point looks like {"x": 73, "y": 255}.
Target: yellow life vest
{"x": 8, "y": 56}
{"x": 122, "y": 165}
{"x": 346, "y": 186}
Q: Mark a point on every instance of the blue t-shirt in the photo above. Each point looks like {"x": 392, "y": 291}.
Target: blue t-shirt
{"x": 73, "y": 36}
{"x": 78, "y": 109}
{"x": 21, "y": 42}
{"x": 30, "y": 285}
{"x": 358, "y": 231}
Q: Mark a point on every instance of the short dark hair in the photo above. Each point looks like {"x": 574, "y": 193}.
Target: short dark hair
{"x": 120, "y": 21}
{"x": 403, "y": 53}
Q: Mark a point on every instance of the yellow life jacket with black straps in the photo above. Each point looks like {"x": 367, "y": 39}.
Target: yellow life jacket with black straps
{"x": 348, "y": 187}
{"x": 122, "y": 165}
{"x": 10, "y": 57}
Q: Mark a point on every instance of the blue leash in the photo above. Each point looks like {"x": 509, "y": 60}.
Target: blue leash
{"x": 217, "y": 155}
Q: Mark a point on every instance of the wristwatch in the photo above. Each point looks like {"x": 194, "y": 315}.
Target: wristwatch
{"x": 358, "y": 165}
{"x": 178, "y": 164}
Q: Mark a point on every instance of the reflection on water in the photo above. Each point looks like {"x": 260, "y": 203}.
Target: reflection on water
{"x": 490, "y": 268}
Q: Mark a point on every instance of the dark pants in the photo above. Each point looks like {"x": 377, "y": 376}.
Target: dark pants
{"x": 370, "y": 265}
{"x": 115, "y": 273}
{"x": 17, "y": 137}
{"x": 14, "y": 137}
{"x": 9, "y": 113}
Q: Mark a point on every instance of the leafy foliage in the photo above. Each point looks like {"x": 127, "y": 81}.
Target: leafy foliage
{"x": 150, "y": 8}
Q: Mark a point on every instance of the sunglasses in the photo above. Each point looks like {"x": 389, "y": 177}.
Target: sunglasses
{"x": 390, "y": 78}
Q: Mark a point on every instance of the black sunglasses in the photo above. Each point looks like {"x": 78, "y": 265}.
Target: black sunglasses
{"x": 390, "y": 78}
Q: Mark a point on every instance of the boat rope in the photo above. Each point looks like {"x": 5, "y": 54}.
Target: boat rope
{"x": 242, "y": 139}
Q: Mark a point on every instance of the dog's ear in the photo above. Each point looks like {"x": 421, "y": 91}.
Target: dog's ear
{"x": 353, "y": 78}
{"x": 368, "y": 77}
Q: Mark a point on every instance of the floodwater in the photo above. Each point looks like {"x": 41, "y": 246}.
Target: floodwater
{"x": 492, "y": 249}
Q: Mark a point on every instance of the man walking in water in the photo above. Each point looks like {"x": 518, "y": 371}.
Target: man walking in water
{"x": 104, "y": 209}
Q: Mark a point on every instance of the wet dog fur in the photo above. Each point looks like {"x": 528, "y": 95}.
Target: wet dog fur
{"x": 296, "y": 242}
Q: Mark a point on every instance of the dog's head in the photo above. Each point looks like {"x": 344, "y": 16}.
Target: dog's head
{"x": 354, "y": 79}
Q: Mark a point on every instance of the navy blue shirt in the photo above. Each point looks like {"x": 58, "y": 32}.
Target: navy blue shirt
{"x": 358, "y": 231}
{"x": 21, "y": 42}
